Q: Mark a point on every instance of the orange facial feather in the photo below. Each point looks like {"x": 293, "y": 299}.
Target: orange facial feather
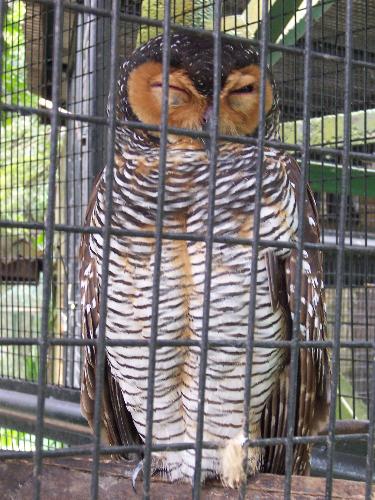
{"x": 145, "y": 97}
{"x": 238, "y": 110}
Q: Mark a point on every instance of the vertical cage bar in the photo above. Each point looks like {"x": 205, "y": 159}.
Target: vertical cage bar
{"x": 256, "y": 236}
{"x": 366, "y": 198}
{"x": 213, "y": 131}
{"x": 2, "y": 19}
{"x": 341, "y": 244}
{"x": 371, "y": 431}
{"x": 100, "y": 345}
{"x": 100, "y": 88}
{"x": 294, "y": 348}
{"x": 338, "y": 323}
{"x": 48, "y": 251}
{"x": 158, "y": 250}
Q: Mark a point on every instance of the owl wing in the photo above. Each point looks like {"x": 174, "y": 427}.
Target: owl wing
{"x": 117, "y": 427}
{"x": 313, "y": 381}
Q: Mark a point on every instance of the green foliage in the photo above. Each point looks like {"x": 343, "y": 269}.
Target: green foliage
{"x": 20, "y": 315}
{"x": 24, "y": 140}
{"x": 347, "y": 406}
{"x": 24, "y": 156}
{"x": 24, "y": 167}
{"x": 11, "y": 439}
{"x": 32, "y": 366}
{"x": 14, "y": 77}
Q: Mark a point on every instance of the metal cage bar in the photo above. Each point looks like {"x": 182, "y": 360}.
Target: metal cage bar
{"x": 109, "y": 173}
{"x": 295, "y": 346}
{"x": 344, "y": 243}
{"x": 48, "y": 256}
{"x": 370, "y": 442}
{"x": 341, "y": 241}
{"x": 256, "y": 238}
{"x": 213, "y": 134}
{"x": 158, "y": 250}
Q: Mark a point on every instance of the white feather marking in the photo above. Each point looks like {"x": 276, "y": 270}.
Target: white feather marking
{"x": 306, "y": 267}
{"x": 87, "y": 270}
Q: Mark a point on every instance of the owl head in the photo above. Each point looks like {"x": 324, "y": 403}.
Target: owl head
{"x": 191, "y": 83}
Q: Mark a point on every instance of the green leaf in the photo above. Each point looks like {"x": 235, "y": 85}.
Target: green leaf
{"x": 344, "y": 403}
{"x": 14, "y": 76}
{"x": 12, "y": 439}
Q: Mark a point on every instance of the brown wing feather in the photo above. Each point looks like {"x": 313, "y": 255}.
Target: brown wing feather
{"x": 117, "y": 427}
{"x": 314, "y": 366}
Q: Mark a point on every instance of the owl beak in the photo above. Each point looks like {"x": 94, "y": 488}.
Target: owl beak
{"x": 207, "y": 123}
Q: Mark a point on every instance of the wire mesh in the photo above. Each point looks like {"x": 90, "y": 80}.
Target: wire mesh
{"x": 59, "y": 63}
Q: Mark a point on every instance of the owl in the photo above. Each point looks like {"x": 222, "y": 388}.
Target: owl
{"x": 182, "y": 269}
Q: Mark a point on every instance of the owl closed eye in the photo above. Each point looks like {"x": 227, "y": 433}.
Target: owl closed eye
{"x": 191, "y": 109}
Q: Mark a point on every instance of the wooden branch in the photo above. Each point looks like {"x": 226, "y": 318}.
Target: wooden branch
{"x": 71, "y": 477}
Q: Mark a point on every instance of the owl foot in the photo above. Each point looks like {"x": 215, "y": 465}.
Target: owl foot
{"x": 232, "y": 457}
{"x": 137, "y": 469}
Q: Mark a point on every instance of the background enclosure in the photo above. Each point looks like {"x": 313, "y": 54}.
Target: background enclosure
{"x": 55, "y": 66}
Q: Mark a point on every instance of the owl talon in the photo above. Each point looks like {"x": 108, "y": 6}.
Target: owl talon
{"x": 136, "y": 471}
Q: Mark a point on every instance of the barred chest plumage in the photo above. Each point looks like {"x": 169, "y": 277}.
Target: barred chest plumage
{"x": 182, "y": 291}
{"x": 136, "y": 181}
{"x": 282, "y": 292}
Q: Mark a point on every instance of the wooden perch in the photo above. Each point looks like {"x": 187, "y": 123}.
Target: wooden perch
{"x": 71, "y": 478}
